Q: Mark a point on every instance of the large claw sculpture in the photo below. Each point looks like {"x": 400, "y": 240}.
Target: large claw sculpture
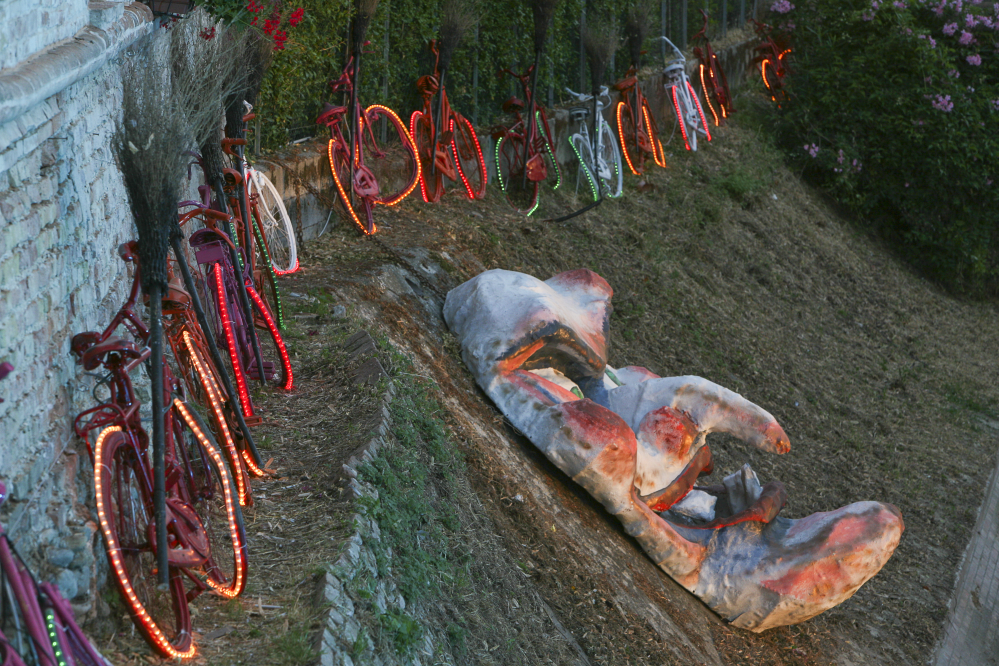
{"x": 636, "y": 442}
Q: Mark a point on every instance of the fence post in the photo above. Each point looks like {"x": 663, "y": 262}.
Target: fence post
{"x": 662, "y": 28}
{"x": 742, "y": 13}
{"x": 475, "y": 82}
{"x": 582, "y": 49}
{"x": 683, "y": 23}
{"x": 724, "y": 18}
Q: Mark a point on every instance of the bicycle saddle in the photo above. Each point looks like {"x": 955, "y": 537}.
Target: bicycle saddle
{"x": 97, "y": 354}
{"x": 330, "y": 113}
{"x": 626, "y": 83}
{"x": 578, "y": 112}
{"x": 232, "y": 178}
{"x": 513, "y": 105}
{"x": 427, "y": 85}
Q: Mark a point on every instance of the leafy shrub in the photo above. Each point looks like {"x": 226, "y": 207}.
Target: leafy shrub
{"x": 895, "y": 108}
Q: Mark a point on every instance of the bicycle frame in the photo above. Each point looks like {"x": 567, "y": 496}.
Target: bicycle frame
{"x": 714, "y": 83}
{"x": 645, "y": 140}
{"x": 600, "y": 170}
{"x": 771, "y": 54}
{"x": 684, "y": 99}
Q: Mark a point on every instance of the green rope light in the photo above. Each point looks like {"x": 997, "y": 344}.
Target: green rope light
{"x": 586, "y": 169}
{"x": 551, "y": 155}
{"x": 270, "y": 271}
{"x": 53, "y": 638}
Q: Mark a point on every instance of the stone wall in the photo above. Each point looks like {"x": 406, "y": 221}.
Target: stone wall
{"x": 63, "y": 212}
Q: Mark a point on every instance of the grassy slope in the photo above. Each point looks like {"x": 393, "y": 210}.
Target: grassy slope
{"x": 730, "y": 268}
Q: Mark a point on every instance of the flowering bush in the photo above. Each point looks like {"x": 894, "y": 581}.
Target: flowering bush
{"x": 247, "y": 13}
{"x": 896, "y": 103}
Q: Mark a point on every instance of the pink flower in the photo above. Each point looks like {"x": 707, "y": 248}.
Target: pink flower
{"x": 943, "y": 103}
{"x": 841, "y": 157}
{"x": 974, "y": 60}
{"x": 898, "y": 4}
{"x": 812, "y": 150}
{"x": 933, "y": 42}
{"x": 782, "y": 6}
{"x": 950, "y": 29}
{"x": 970, "y": 21}
{"x": 966, "y": 38}
{"x": 995, "y": 104}
{"x": 954, "y": 74}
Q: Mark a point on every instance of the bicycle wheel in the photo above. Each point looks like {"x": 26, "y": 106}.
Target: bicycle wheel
{"x": 276, "y": 360}
{"x": 468, "y": 160}
{"x": 200, "y": 376}
{"x": 266, "y": 276}
{"x": 770, "y": 78}
{"x": 683, "y": 116}
{"x": 653, "y": 131}
{"x": 276, "y": 225}
{"x": 339, "y": 157}
{"x": 708, "y": 93}
{"x": 124, "y": 509}
{"x": 229, "y": 316}
{"x": 633, "y": 154}
{"x": 431, "y": 180}
{"x": 211, "y": 492}
{"x": 389, "y": 153}
{"x": 703, "y": 126}
{"x": 510, "y": 160}
{"x": 581, "y": 147}
{"x": 609, "y": 167}
{"x": 545, "y": 132}
{"x": 725, "y": 98}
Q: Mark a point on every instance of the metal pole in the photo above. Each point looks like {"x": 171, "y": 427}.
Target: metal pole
{"x": 683, "y": 23}
{"x": 662, "y": 28}
{"x": 582, "y": 48}
{"x": 742, "y": 13}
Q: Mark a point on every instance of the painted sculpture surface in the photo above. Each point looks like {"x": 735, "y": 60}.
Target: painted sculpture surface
{"x": 636, "y": 442}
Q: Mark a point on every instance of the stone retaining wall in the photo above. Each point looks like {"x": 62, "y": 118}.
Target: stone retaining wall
{"x": 63, "y": 211}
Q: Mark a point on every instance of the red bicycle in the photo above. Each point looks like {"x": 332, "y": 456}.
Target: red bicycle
{"x": 636, "y": 126}
{"x": 772, "y": 56}
{"x": 714, "y": 85}
{"x": 523, "y": 148}
{"x": 366, "y": 168}
{"x": 206, "y": 541}
{"x": 446, "y": 143}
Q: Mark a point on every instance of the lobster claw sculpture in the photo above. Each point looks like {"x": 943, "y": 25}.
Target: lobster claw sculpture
{"x": 636, "y": 442}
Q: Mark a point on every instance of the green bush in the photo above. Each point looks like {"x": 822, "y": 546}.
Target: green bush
{"x": 894, "y": 108}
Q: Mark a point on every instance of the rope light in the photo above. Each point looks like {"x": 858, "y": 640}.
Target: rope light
{"x": 412, "y": 132}
{"x": 657, "y": 156}
{"x": 285, "y": 360}
{"x": 237, "y": 366}
{"x": 620, "y": 132}
{"x": 586, "y": 170}
{"x": 239, "y": 556}
{"x": 393, "y": 201}
{"x": 343, "y": 194}
{"x": 707, "y": 97}
{"x": 700, "y": 111}
{"x": 114, "y": 555}
{"x": 481, "y": 163}
{"x": 548, "y": 146}
{"x": 270, "y": 267}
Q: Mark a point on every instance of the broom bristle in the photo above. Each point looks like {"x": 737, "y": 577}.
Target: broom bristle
{"x": 599, "y": 44}
{"x": 543, "y": 12}
{"x": 362, "y": 19}
{"x": 459, "y": 16}
{"x": 151, "y": 161}
{"x": 636, "y": 26}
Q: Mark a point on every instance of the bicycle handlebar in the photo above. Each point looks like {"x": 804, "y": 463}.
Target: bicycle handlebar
{"x": 666, "y": 39}
{"x": 583, "y": 97}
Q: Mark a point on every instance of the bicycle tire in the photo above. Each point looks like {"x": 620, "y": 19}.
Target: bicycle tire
{"x": 339, "y": 160}
{"x": 468, "y": 159}
{"x": 281, "y": 369}
{"x": 609, "y": 152}
{"x": 201, "y": 379}
{"x": 396, "y": 154}
{"x": 277, "y": 228}
{"x": 226, "y": 314}
{"x": 719, "y": 75}
{"x": 212, "y": 493}
{"x": 633, "y": 154}
{"x": 581, "y": 147}
{"x": 682, "y": 115}
{"x": 708, "y": 93}
{"x": 772, "y": 80}
{"x": 510, "y": 161}
{"x": 124, "y": 511}
{"x": 653, "y": 131}
{"x": 545, "y": 132}
{"x": 703, "y": 127}
{"x": 18, "y": 598}
{"x": 268, "y": 277}
{"x": 431, "y": 180}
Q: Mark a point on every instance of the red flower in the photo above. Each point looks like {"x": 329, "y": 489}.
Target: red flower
{"x": 253, "y": 7}
{"x": 254, "y": 21}
{"x": 280, "y": 37}
{"x": 208, "y": 33}
{"x": 296, "y": 17}
{"x": 270, "y": 26}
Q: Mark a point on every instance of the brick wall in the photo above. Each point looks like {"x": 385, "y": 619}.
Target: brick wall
{"x": 63, "y": 211}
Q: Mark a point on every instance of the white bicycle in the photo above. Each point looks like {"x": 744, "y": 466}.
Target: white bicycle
{"x": 688, "y": 109}
{"x": 277, "y": 229}
{"x": 608, "y": 163}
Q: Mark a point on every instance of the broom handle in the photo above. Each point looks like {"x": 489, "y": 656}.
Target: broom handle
{"x": 159, "y": 446}
{"x": 249, "y": 261}
{"x": 213, "y": 349}
{"x": 532, "y": 112}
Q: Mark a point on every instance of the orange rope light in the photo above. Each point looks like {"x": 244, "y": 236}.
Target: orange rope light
{"x": 412, "y": 132}
{"x": 700, "y": 111}
{"x": 236, "y": 588}
{"x": 395, "y": 200}
{"x": 343, "y": 193}
{"x": 657, "y": 155}
{"x": 114, "y": 555}
{"x": 482, "y": 161}
{"x": 248, "y": 459}
{"x": 707, "y": 97}
{"x": 237, "y": 367}
{"x": 620, "y": 133}
{"x": 215, "y": 400}
{"x": 285, "y": 360}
